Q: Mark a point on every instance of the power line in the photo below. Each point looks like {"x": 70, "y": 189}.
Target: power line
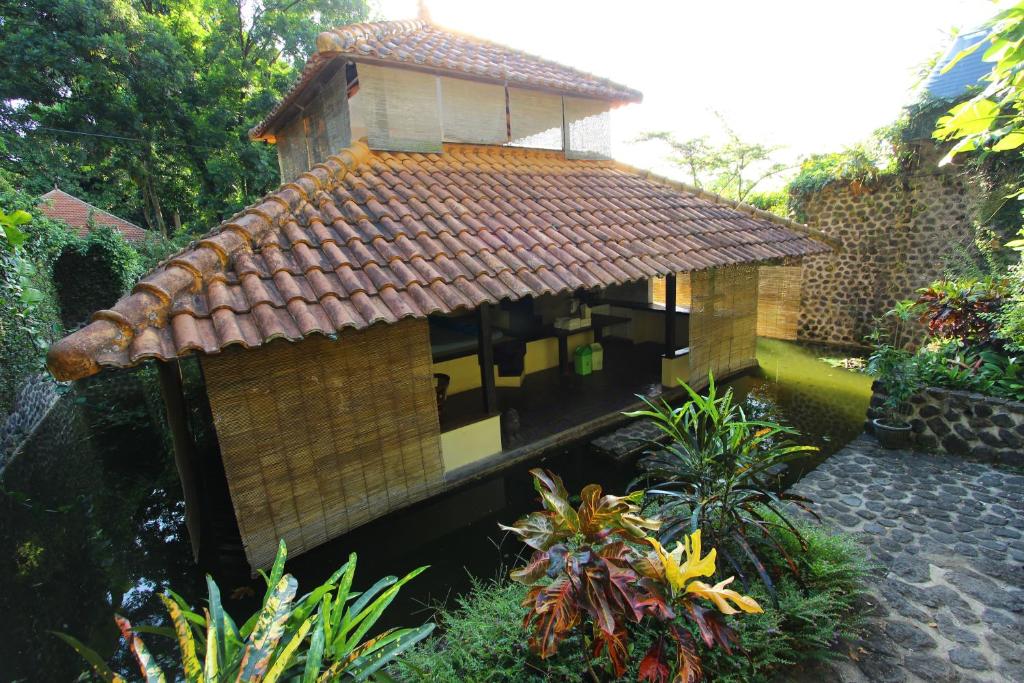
{"x": 79, "y": 132}
{"x": 119, "y": 137}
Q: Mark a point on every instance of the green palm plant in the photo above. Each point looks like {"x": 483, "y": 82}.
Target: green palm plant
{"x": 711, "y": 474}
{"x": 272, "y": 644}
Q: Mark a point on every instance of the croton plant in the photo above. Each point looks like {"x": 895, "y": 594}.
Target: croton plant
{"x": 594, "y": 568}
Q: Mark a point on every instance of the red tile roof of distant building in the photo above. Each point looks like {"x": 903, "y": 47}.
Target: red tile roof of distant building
{"x": 62, "y": 206}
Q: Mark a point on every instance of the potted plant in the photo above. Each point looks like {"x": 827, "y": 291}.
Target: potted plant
{"x": 895, "y": 369}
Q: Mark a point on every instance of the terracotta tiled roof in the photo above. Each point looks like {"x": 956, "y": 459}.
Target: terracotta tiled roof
{"x": 372, "y": 237}
{"x": 62, "y": 206}
{"x": 421, "y": 45}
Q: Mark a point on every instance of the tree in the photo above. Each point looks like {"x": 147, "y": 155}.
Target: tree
{"x": 993, "y": 121}
{"x": 144, "y": 106}
{"x": 733, "y": 169}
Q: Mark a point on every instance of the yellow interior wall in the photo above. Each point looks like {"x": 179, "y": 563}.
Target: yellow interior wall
{"x": 541, "y": 354}
{"x": 465, "y": 373}
{"x": 675, "y": 369}
{"x": 470, "y": 443}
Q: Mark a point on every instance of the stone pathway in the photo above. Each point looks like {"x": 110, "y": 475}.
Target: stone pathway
{"x": 948, "y": 533}
{"x": 629, "y": 440}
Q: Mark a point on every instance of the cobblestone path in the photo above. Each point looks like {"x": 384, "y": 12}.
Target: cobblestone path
{"x": 948, "y": 532}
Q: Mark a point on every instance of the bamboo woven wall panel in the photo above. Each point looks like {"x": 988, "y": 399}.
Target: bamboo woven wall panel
{"x": 473, "y": 112}
{"x": 588, "y": 128}
{"x": 723, "y": 322}
{"x": 535, "y": 119}
{"x": 778, "y": 301}
{"x": 399, "y": 110}
{"x": 322, "y": 436}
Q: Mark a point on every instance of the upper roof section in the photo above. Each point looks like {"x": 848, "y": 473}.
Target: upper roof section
{"x": 375, "y": 237}
{"x": 419, "y": 45}
{"x": 965, "y": 74}
{"x": 62, "y": 206}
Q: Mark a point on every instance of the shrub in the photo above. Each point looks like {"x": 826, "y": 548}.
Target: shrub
{"x": 963, "y": 310}
{"x": 1011, "y": 317}
{"x": 28, "y": 313}
{"x": 271, "y": 645}
{"x": 481, "y": 637}
{"x": 893, "y": 363}
{"x": 711, "y": 476}
{"x": 592, "y": 571}
{"x": 93, "y": 272}
{"x": 953, "y": 365}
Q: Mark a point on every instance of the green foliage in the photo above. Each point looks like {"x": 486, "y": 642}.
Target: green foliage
{"x": 1010, "y": 328}
{"x": 892, "y": 362}
{"x": 963, "y": 310}
{"x": 956, "y": 365}
{"x": 482, "y": 638}
{"x": 591, "y": 572}
{"x": 774, "y": 201}
{"x": 810, "y": 620}
{"x": 271, "y": 645}
{"x": 144, "y": 107}
{"x": 28, "y": 316}
{"x": 93, "y": 272}
{"x": 733, "y": 169}
{"x": 992, "y": 119}
{"x": 712, "y": 475}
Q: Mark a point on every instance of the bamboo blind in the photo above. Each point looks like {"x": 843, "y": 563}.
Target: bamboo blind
{"x": 535, "y": 119}
{"x": 473, "y": 112}
{"x": 682, "y": 290}
{"x": 321, "y": 436}
{"x": 398, "y": 110}
{"x": 778, "y": 301}
{"x": 588, "y": 128}
{"x": 723, "y": 322}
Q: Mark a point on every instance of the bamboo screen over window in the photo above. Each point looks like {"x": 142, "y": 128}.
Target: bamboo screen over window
{"x": 723, "y": 322}
{"x": 535, "y": 119}
{"x": 396, "y": 110}
{"x": 588, "y": 129}
{"x": 321, "y": 436}
{"x": 473, "y": 112}
{"x": 778, "y": 301}
{"x": 682, "y": 290}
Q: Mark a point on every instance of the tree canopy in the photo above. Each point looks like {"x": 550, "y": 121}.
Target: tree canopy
{"x": 733, "y": 169}
{"x": 142, "y": 107}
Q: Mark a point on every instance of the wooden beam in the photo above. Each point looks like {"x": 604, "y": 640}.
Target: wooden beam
{"x": 485, "y": 354}
{"x": 670, "y": 316}
{"x": 185, "y": 451}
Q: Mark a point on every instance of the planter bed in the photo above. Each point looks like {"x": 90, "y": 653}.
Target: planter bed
{"x": 963, "y": 423}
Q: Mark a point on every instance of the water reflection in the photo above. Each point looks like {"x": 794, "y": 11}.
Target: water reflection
{"x": 93, "y": 520}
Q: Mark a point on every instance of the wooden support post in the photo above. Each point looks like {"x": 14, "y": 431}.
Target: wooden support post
{"x": 670, "y": 316}
{"x": 485, "y": 354}
{"x": 185, "y": 452}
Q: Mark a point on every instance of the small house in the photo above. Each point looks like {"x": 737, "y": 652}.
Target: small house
{"x": 450, "y": 233}
{"x": 80, "y": 215}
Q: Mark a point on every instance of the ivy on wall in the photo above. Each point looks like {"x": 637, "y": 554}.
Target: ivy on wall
{"x": 91, "y": 273}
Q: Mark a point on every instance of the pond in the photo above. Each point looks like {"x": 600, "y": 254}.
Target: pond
{"x": 93, "y": 520}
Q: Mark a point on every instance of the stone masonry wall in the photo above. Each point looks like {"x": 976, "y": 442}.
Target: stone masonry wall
{"x": 965, "y": 423}
{"x": 897, "y": 235}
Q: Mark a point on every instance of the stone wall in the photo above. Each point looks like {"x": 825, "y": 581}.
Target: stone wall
{"x": 965, "y": 423}
{"x": 896, "y": 234}
{"x": 34, "y": 400}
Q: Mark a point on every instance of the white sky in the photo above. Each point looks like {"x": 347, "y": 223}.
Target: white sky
{"x": 811, "y": 75}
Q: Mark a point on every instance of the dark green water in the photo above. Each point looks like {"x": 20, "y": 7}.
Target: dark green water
{"x": 92, "y": 521}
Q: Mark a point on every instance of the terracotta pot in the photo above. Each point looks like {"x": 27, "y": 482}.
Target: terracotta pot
{"x": 892, "y": 436}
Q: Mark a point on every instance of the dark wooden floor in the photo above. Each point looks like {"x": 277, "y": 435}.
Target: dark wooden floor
{"x": 549, "y": 402}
